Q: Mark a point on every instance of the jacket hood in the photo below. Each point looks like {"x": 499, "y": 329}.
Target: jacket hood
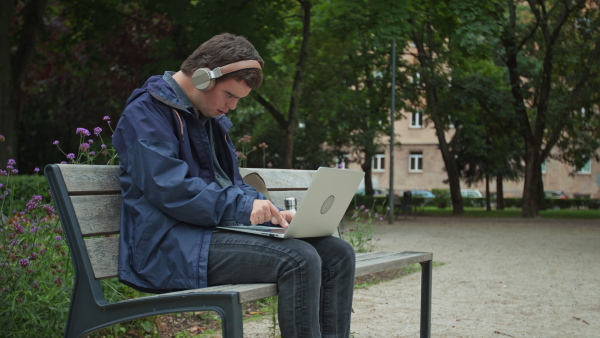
{"x": 160, "y": 90}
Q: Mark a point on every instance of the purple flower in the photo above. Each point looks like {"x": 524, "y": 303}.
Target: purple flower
{"x": 63, "y": 162}
{"x": 33, "y": 256}
{"x": 90, "y": 141}
{"x": 97, "y": 131}
{"x": 92, "y": 153}
{"x": 58, "y": 238}
{"x": 34, "y": 202}
{"x": 84, "y": 146}
{"x": 82, "y": 131}
{"x": 103, "y": 146}
{"x": 36, "y": 170}
{"x": 14, "y": 171}
{"x": 48, "y": 208}
{"x": 55, "y": 142}
{"x": 11, "y": 161}
{"x": 106, "y": 118}
{"x": 35, "y": 284}
{"x": 71, "y": 156}
{"x": 19, "y": 229}
{"x": 24, "y": 262}
{"x": 381, "y": 218}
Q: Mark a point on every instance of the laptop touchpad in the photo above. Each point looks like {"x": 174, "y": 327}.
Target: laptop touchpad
{"x": 327, "y": 204}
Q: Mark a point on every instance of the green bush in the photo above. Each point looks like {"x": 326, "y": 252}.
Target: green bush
{"x": 474, "y": 202}
{"x": 15, "y": 192}
{"x": 442, "y": 198}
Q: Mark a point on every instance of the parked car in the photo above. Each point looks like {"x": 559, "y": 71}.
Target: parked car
{"x": 422, "y": 193}
{"x": 556, "y": 194}
{"x": 472, "y": 193}
{"x": 377, "y": 192}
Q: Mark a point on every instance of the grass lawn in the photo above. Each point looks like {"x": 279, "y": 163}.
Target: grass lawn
{"x": 513, "y": 212}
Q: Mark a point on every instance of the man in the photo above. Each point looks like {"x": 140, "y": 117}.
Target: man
{"x": 180, "y": 180}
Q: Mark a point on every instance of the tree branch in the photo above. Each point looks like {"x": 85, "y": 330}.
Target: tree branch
{"x": 270, "y": 109}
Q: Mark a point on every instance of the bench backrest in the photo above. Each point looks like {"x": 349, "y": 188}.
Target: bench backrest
{"x": 88, "y": 199}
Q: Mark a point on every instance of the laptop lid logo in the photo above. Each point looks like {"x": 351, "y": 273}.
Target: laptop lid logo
{"x": 327, "y": 204}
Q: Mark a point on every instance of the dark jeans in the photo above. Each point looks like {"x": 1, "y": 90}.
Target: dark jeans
{"x": 315, "y": 278}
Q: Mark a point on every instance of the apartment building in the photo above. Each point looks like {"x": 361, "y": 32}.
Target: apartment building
{"x": 418, "y": 164}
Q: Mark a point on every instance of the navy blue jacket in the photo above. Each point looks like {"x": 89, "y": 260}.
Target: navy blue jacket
{"x": 171, "y": 201}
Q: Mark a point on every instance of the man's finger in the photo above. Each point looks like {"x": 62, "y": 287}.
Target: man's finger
{"x": 278, "y": 217}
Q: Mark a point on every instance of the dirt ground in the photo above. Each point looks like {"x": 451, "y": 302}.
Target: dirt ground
{"x": 500, "y": 278}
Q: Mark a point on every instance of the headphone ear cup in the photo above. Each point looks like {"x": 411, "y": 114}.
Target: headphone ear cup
{"x": 202, "y": 79}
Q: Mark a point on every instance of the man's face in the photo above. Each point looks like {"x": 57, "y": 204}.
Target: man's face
{"x": 221, "y": 98}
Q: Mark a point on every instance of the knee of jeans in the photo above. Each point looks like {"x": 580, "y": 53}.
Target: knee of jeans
{"x": 344, "y": 251}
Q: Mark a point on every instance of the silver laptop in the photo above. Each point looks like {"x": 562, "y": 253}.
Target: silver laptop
{"x": 321, "y": 209}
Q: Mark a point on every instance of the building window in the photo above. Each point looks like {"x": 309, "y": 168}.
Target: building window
{"x": 415, "y": 162}
{"x": 544, "y": 167}
{"x": 378, "y": 162}
{"x": 585, "y": 169}
{"x": 416, "y": 119}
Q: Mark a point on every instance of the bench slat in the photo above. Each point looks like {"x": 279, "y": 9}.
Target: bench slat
{"x": 98, "y": 214}
{"x": 104, "y": 256}
{"x": 84, "y": 178}
{"x": 278, "y": 197}
{"x": 283, "y": 178}
{"x": 372, "y": 262}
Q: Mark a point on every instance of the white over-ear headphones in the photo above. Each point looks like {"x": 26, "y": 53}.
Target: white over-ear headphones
{"x": 204, "y": 78}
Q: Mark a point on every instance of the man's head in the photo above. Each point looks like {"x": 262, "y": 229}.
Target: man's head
{"x": 222, "y": 50}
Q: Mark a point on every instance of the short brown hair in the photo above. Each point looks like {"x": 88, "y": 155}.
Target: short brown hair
{"x": 222, "y": 50}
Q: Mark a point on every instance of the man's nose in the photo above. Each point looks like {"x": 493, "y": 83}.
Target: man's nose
{"x": 232, "y": 103}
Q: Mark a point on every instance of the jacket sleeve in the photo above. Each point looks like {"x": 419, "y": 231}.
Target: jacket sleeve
{"x": 161, "y": 178}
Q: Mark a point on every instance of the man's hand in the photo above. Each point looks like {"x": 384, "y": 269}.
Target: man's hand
{"x": 265, "y": 211}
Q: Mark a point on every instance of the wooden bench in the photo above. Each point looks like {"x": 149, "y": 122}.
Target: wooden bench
{"x": 88, "y": 200}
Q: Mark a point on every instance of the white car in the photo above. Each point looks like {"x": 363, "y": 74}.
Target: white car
{"x": 471, "y": 193}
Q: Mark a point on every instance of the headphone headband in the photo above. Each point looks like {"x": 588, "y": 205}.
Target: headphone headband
{"x": 204, "y": 78}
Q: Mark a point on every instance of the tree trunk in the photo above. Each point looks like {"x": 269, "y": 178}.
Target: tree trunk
{"x": 499, "y": 193}
{"x": 288, "y": 140}
{"x": 13, "y": 69}
{"x": 8, "y": 113}
{"x": 366, "y": 167}
{"x": 434, "y": 107}
{"x": 488, "y": 204}
{"x": 530, "y": 188}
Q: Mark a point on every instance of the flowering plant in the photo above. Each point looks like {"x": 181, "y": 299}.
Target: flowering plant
{"x": 35, "y": 274}
{"x": 86, "y": 154}
{"x": 360, "y": 234}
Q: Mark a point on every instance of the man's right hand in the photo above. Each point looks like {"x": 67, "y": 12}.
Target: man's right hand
{"x": 265, "y": 211}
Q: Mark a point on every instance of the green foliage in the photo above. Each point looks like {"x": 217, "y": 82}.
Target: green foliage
{"x": 15, "y": 192}
{"x": 442, "y": 198}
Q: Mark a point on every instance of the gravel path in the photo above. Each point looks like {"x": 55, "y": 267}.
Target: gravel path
{"x": 501, "y": 278}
